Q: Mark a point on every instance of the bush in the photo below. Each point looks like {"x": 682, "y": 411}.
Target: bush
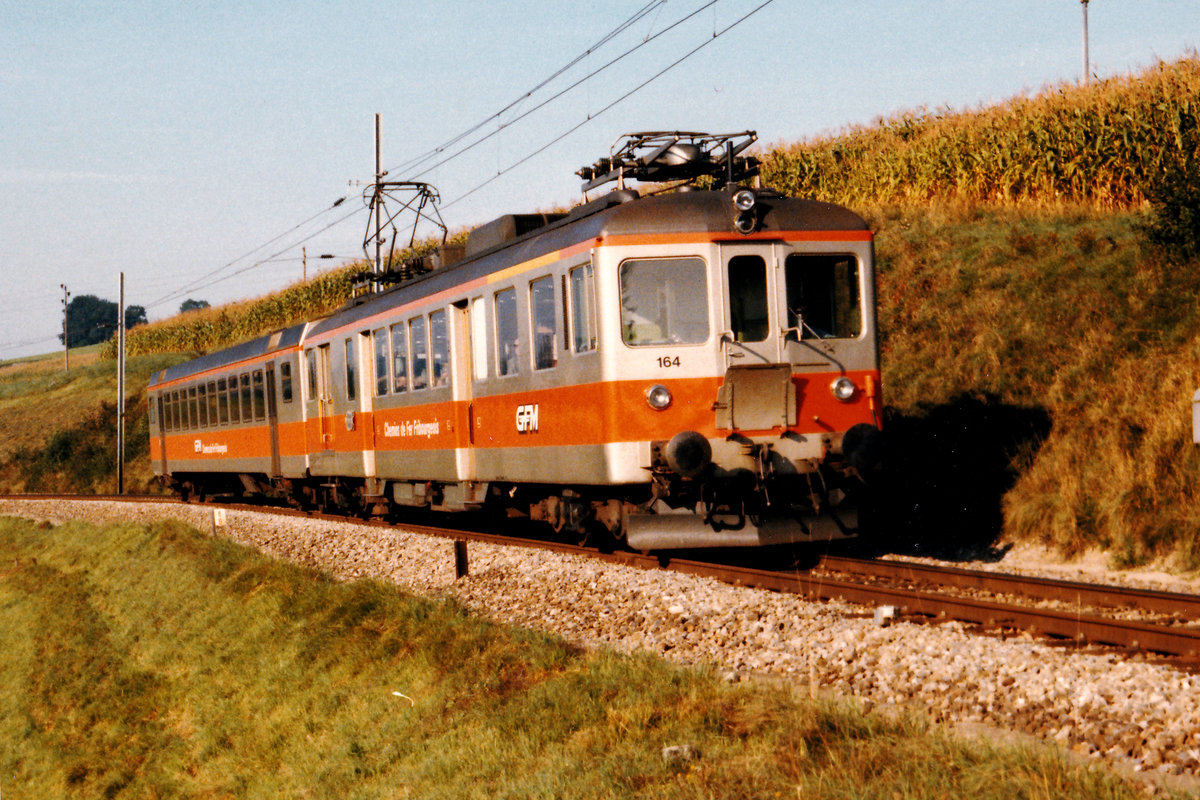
{"x": 1174, "y": 195}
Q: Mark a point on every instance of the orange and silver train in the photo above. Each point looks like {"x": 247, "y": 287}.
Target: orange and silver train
{"x": 695, "y": 368}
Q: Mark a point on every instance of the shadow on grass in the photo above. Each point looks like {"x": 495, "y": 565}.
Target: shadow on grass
{"x": 947, "y": 469}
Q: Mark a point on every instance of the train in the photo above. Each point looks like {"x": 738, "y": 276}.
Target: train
{"x": 692, "y": 363}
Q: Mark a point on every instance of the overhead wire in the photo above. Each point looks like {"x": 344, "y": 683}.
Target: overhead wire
{"x": 200, "y": 283}
{"x": 622, "y": 98}
{"x": 27, "y": 342}
{"x": 180, "y": 293}
{"x": 211, "y": 278}
{"x": 645, "y": 41}
{"x": 415, "y": 161}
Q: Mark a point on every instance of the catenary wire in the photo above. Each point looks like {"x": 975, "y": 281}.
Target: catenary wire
{"x": 200, "y": 283}
{"x": 570, "y": 88}
{"x": 211, "y": 278}
{"x": 630, "y": 93}
{"x": 176, "y": 295}
{"x": 415, "y": 161}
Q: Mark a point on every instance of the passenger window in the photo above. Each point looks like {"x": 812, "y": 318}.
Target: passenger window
{"x": 193, "y": 410}
{"x": 381, "y": 362}
{"x": 351, "y": 370}
{"x": 664, "y": 301}
{"x": 823, "y": 298}
{"x": 399, "y": 358}
{"x": 748, "y": 298}
{"x": 202, "y": 405}
{"x": 544, "y": 325}
{"x": 439, "y": 340}
{"x": 212, "y": 403}
{"x": 247, "y": 408}
{"x": 506, "y": 332}
{"x": 234, "y": 416}
{"x": 259, "y": 405}
{"x": 223, "y": 401}
{"x": 285, "y": 380}
{"x": 583, "y": 332}
{"x": 420, "y": 353}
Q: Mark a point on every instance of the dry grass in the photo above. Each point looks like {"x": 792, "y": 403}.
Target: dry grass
{"x": 1039, "y": 365}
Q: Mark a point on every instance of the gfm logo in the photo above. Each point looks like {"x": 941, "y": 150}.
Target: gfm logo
{"x": 527, "y": 418}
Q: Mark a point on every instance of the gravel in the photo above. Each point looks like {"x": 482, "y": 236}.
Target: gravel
{"x": 1134, "y": 714}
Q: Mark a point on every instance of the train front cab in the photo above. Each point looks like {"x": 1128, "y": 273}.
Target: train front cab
{"x": 757, "y": 358}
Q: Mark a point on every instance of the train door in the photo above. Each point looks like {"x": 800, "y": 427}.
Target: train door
{"x": 318, "y": 403}
{"x": 364, "y": 356}
{"x": 751, "y": 334}
{"x": 465, "y": 342}
{"x": 162, "y": 433}
{"x": 273, "y": 420}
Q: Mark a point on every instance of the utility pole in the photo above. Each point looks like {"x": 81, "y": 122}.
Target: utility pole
{"x": 1087, "y": 69}
{"x": 121, "y": 390}
{"x": 304, "y": 264}
{"x": 378, "y": 221}
{"x": 66, "y": 344}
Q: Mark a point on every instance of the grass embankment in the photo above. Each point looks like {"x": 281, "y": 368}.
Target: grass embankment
{"x": 60, "y": 431}
{"x": 151, "y": 661}
{"x": 1039, "y": 365}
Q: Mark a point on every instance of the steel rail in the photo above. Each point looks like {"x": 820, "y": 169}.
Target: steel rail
{"x": 1078, "y": 627}
{"x": 1080, "y": 593}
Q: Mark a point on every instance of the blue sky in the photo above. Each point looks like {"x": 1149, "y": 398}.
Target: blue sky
{"x": 168, "y": 140}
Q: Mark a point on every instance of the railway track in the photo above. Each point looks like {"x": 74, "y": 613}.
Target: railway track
{"x": 1083, "y": 613}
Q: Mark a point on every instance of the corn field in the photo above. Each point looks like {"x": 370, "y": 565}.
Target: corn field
{"x": 214, "y": 328}
{"x": 1098, "y": 144}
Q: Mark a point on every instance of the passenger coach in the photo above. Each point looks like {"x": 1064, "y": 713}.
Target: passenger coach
{"x": 687, "y": 369}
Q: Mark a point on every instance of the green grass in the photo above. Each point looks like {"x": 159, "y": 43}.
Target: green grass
{"x": 153, "y": 661}
{"x": 60, "y": 425}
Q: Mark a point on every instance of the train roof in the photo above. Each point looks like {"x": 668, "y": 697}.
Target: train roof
{"x": 517, "y": 238}
{"x": 263, "y": 345}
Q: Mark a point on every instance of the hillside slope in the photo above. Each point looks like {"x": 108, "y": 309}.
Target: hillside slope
{"x": 59, "y": 430}
{"x": 1038, "y": 368}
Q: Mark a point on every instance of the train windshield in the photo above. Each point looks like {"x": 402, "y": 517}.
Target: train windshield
{"x": 823, "y": 297}
{"x": 664, "y": 301}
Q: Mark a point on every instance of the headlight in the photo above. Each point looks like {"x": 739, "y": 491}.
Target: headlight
{"x": 843, "y": 389}
{"x": 744, "y": 200}
{"x": 746, "y": 222}
{"x": 658, "y": 397}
